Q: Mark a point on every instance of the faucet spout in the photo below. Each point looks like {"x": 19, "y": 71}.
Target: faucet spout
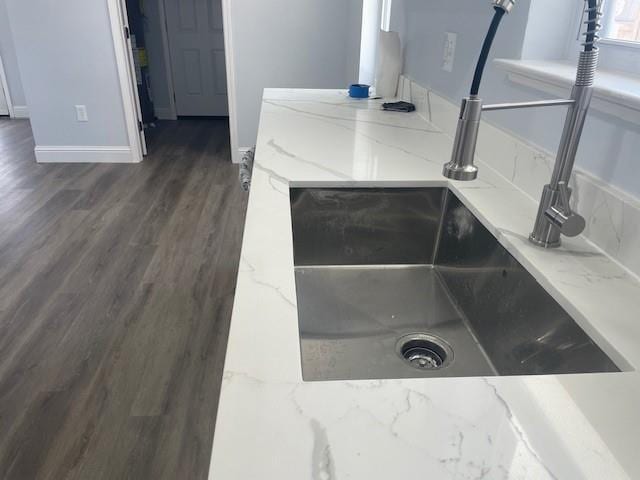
{"x": 461, "y": 166}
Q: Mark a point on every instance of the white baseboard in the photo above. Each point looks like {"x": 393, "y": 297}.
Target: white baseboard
{"x": 20, "y": 111}
{"x": 237, "y": 158}
{"x": 165, "y": 113}
{"x": 74, "y": 154}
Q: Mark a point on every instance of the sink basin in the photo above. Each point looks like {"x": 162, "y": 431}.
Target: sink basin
{"x": 406, "y": 282}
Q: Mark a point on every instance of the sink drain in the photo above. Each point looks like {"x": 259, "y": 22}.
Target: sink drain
{"x": 424, "y": 351}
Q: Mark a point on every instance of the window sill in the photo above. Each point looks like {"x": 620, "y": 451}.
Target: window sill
{"x": 614, "y": 93}
{"x": 619, "y": 43}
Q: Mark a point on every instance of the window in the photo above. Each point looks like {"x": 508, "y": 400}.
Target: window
{"x": 386, "y": 15}
{"x": 621, "y": 20}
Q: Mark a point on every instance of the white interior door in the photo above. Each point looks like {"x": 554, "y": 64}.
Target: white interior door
{"x": 4, "y": 106}
{"x": 132, "y": 75}
{"x": 196, "y": 44}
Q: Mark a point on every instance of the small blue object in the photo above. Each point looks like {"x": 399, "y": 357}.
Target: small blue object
{"x": 358, "y": 90}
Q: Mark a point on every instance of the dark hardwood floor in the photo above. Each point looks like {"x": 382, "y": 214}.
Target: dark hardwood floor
{"x": 116, "y": 287}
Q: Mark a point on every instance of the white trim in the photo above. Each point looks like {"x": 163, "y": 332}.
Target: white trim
{"x": 614, "y": 93}
{"x": 74, "y": 154}
{"x": 607, "y": 23}
{"x": 128, "y": 96}
{"x": 166, "y": 52}
{"x": 240, "y": 153}
{"x": 385, "y": 21}
{"x": 231, "y": 81}
{"x": 20, "y": 111}
{"x": 5, "y": 87}
{"x": 133, "y": 80}
{"x": 620, "y": 43}
{"x": 165, "y": 113}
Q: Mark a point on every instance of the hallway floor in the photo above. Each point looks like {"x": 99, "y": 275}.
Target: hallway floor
{"x": 116, "y": 288}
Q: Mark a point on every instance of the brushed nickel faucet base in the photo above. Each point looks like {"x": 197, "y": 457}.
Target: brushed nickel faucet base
{"x": 464, "y": 174}
{"x": 544, "y": 243}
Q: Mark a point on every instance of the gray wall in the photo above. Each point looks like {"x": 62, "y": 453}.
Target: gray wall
{"x": 610, "y": 145}
{"x": 558, "y": 39}
{"x": 423, "y": 24}
{"x": 66, "y": 57}
{"x": 9, "y": 60}
{"x": 291, "y": 43}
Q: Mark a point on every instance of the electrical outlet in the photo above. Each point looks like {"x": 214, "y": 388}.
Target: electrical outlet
{"x": 449, "y": 53}
{"x": 81, "y": 113}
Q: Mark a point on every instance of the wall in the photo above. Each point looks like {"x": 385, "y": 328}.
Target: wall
{"x": 290, "y": 43}
{"x": 423, "y": 24}
{"x": 557, "y": 41}
{"x": 610, "y": 145}
{"x": 66, "y": 56}
{"x": 9, "y": 60}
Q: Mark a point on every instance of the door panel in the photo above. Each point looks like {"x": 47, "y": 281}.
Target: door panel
{"x": 217, "y": 58}
{"x": 196, "y": 44}
{"x": 187, "y": 16}
{"x": 192, "y": 71}
{"x": 215, "y": 15}
{"x": 4, "y": 107}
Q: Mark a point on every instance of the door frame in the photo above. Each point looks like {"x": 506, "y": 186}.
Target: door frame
{"x": 125, "y": 75}
{"x": 236, "y": 154}
{"x": 129, "y": 97}
{"x": 5, "y": 88}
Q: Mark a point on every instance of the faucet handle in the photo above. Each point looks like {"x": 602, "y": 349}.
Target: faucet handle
{"x": 570, "y": 224}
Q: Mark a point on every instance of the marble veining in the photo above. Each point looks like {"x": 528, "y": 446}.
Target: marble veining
{"x": 273, "y": 425}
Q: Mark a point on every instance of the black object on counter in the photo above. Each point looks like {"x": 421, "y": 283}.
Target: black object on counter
{"x": 399, "y": 107}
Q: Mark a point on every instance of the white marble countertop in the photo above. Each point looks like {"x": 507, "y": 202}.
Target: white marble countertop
{"x": 273, "y": 426}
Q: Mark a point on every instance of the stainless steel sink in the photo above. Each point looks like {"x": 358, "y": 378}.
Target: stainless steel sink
{"x": 406, "y": 282}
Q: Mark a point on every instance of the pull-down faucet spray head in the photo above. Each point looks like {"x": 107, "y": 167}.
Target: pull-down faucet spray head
{"x": 461, "y": 166}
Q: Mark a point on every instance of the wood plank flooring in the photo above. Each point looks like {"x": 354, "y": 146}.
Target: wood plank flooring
{"x": 116, "y": 287}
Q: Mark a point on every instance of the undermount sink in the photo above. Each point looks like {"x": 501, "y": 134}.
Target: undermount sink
{"x": 406, "y": 282}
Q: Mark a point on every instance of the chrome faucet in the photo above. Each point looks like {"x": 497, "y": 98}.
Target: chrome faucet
{"x": 555, "y": 216}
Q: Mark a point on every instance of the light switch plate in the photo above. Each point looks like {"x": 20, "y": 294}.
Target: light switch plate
{"x": 81, "y": 113}
{"x": 449, "y": 54}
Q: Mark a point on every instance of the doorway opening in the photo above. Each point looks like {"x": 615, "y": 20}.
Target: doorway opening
{"x": 176, "y": 57}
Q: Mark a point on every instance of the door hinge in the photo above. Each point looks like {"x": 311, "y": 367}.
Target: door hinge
{"x": 127, "y": 35}
{"x": 140, "y": 125}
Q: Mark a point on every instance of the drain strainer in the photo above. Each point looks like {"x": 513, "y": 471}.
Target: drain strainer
{"x": 424, "y": 351}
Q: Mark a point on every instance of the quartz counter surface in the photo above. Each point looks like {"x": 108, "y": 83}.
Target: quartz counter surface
{"x": 271, "y": 425}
